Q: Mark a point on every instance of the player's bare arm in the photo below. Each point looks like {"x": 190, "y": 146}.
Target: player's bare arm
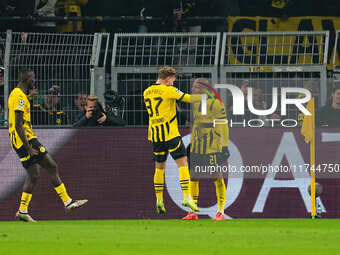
{"x": 19, "y": 120}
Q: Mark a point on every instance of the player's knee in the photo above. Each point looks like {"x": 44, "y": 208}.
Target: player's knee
{"x": 160, "y": 165}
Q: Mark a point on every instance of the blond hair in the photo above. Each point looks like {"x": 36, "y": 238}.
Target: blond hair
{"x": 92, "y": 98}
{"x": 166, "y": 71}
{"x": 202, "y": 81}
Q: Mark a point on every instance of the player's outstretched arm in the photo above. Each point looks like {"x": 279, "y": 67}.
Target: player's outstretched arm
{"x": 183, "y": 97}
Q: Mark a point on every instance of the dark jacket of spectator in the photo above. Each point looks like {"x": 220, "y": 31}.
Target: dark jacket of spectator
{"x": 328, "y": 117}
{"x": 95, "y": 115}
{"x": 75, "y": 111}
{"x": 93, "y": 121}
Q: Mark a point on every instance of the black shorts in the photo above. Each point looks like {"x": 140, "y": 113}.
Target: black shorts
{"x": 208, "y": 159}
{"x": 208, "y": 166}
{"x": 28, "y": 160}
{"x": 200, "y": 165}
{"x": 175, "y": 146}
{"x": 211, "y": 159}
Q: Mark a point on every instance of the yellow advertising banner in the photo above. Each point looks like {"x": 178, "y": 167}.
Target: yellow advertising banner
{"x": 285, "y": 45}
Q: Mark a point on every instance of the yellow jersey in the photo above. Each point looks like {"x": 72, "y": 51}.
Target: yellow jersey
{"x": 18, "y": 101}
{"x": 160, "y": 102}
{"x": 210, "y": 132}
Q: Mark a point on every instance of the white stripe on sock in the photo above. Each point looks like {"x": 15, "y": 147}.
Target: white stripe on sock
{"x": 68, "y": 202}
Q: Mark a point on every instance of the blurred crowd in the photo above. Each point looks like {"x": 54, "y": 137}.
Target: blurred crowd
{"x": 173, "y": 14}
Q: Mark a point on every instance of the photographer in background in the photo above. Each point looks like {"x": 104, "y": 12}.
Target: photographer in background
{"x": 94, "y": 115}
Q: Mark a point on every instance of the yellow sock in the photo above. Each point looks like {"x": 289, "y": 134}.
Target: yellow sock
{"x": 184, "y": 180}
{"x": 158, "y": 183}
{"x": 220, "y": 194}
{"x": 62, "y": 193}
{"x": 25, "y": 201}
{"x": 195, "y": 191}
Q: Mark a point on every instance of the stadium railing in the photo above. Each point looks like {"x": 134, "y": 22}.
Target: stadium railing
{"x": 336, "y": 55}
{"x": 276, "y": 59}
{"x": 74, "y": 62}
{"x": 137, "y": 57}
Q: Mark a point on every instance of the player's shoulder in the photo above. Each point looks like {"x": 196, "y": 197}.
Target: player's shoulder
{"x": 17, "y": 95}
{"x": 217, "y": 106}
{"x": 152, "y": 87}
{"x": 215, "y": 102}
{"x": 174, "y": 90}
{"x": 17, "y": 92}
{"x": 14, "y": 92}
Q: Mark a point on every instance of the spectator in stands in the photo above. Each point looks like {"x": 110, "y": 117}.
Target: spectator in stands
{"x": 2, "y": 56}
{"x": 47, "y": 110}
{"x": 206, "y": 8}
{"x": 45, "y": 8}
{"x": 71, "y": 8}
{"x": 6, "y": 8}
{"x": 95, "y": 115}
{"x": 155, "y": 8}
{"x": 329, "y": 115}
{"x": 259, "y": 103}
{"x": 75, "y": 111}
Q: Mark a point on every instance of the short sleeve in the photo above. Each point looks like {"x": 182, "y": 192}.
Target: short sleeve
{"x": 19, "y": 103}
{"x": 175, "y": 93}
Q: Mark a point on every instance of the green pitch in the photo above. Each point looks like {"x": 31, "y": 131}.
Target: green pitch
{"x": 244, "y": 236}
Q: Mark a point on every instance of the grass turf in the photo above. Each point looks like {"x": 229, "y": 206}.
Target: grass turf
{"x": 243, "y": 236}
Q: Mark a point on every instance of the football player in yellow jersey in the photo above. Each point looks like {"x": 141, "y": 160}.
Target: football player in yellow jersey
{"x": 160, "y": 101}
{"x": 31, "y": 152}
{"x": 208, "y": 146}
